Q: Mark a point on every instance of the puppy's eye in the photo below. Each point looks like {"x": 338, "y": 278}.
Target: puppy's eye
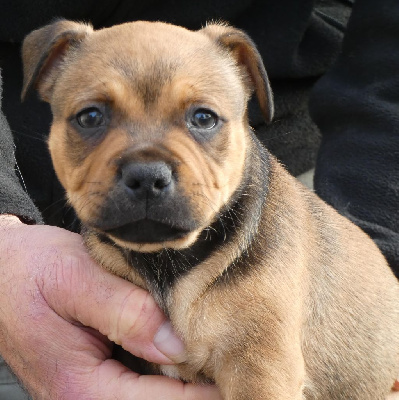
{"x": 204, "y": 119}
{"x": 203, "y": 123}
{"x": 90, "y": 118}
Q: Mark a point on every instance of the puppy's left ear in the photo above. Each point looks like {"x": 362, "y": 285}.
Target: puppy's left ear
{"x": 44, "y": 50}
{"x": 244, "y": 51}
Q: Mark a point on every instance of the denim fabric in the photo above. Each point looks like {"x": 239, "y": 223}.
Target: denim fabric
{"x": 10, "y": 389}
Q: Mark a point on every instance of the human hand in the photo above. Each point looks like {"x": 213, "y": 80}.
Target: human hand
{"x": 60, "y": 311}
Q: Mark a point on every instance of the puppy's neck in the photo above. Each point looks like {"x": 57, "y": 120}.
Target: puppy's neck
{"x": 233, "y": 233}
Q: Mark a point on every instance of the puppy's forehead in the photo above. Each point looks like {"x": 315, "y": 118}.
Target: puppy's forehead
{"x": 146, "y": 57}
{"x": 149, "y": 38}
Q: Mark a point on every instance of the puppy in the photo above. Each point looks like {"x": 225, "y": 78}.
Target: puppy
{"x": 275, "y": 295}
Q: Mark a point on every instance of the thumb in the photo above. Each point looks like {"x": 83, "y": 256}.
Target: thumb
{"x": 81, "y": 291}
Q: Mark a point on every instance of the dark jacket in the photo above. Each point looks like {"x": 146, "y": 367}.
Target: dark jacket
{"x": 356, "y": 106}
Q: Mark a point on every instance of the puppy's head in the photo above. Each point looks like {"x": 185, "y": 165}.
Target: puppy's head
{"x": 150, "y": 133}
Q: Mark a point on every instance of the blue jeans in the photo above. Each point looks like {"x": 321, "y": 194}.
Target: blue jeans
{"x": 10, "y": 389}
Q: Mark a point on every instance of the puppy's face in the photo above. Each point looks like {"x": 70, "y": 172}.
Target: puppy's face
{"x": 149, "y": 131}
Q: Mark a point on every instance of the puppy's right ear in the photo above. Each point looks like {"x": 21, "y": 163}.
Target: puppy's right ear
{"x": 43, "y": 52}
{"x": 240, "y": 46}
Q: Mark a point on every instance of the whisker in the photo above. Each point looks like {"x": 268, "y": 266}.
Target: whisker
{"x": 19, "y": 133}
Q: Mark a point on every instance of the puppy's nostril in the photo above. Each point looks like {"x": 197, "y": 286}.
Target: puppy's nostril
{"x": 135, "y": 184}
{"x": 161, "y": 183}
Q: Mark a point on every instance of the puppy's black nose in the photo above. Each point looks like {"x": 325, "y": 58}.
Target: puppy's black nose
{"x": 147, "y": 179}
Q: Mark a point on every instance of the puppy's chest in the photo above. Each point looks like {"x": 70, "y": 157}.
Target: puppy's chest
{"x": 186, "y": 373}
{"x": 176, "y": 286}
{"x": 161, "y": 271}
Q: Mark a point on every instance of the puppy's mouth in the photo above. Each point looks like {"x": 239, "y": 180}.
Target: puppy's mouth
{"x": 147, "y": 231}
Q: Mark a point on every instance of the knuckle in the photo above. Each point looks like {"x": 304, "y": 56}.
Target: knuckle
{"x": 136, "y": 312}
{"x": 56, "y": 268}
{"x": 59, "y": 279}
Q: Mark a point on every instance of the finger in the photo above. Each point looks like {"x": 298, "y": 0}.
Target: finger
{"x": 75, "y": 364}
{"x": 88, "y": 373}
{"x": 127, "y": 384}
{"x": 82, "y": 291}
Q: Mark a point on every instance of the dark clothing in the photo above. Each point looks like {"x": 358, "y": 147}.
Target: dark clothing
{"x": 13, "y": 198}
{"x": 355, "y": 105}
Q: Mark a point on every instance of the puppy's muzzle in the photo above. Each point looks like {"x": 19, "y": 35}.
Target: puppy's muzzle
{"x": 147, "y": 183}
{"x": 145, "y": 204}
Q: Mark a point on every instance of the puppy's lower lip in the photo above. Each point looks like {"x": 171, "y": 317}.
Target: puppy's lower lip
{"x": 147, "y": 231}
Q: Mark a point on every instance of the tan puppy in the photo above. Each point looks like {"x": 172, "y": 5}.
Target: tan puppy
{"x": 275, "y": 295}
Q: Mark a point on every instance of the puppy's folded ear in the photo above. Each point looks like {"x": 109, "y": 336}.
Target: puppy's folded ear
{"x": 244, "y": 51}
{"x": 43, "y": 52}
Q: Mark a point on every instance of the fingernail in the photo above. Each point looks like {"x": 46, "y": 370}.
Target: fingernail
{"x": 167, "y": 342}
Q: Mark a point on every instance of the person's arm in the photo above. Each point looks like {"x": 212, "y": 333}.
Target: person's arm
{"x": 356, "y": 106}
{"x": 59, "y": 311}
